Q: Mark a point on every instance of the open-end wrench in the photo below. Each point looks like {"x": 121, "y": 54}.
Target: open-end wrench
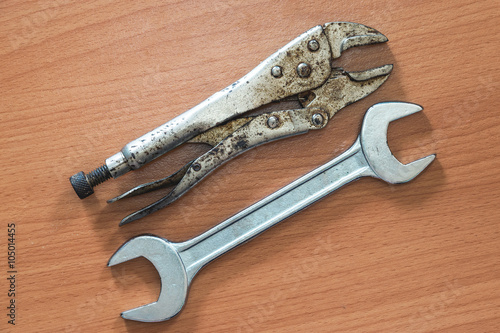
{"x": 178, "y": 263}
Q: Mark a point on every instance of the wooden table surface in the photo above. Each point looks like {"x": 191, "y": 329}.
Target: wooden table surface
{"x": 78, "y": 80}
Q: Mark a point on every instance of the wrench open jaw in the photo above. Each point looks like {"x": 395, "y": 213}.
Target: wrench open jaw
{"x": 174, "y": 280}
{"x": 303, "y": 70}
{"x": 374, "y": 143}
{"x": 178, "y": 263}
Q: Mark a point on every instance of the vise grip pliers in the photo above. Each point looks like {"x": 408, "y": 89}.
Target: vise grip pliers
{"x": 301, "y": 71}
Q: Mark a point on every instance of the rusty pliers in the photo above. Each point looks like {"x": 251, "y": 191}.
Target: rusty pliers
{"x": 302, "y": 71}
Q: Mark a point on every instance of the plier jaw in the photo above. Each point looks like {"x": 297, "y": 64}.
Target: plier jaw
{"x": 301, "y": 70}
{"x": 344, "y": 35}
{"x": 343, "y": 88}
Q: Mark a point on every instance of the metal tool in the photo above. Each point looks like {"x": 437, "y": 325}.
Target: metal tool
{"x": 177, "y": 263}
{"x": 301, "y": 71}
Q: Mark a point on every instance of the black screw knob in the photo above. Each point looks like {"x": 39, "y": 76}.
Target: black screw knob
{"x": 84, "y": 184}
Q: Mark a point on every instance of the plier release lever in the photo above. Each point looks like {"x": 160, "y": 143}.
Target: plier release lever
{"x": 302, "y": 70}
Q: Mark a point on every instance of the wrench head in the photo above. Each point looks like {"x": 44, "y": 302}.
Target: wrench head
{"x": 373, "y": 139}
{"x": 344, "y": 35}
{"x": 173, "y": 276}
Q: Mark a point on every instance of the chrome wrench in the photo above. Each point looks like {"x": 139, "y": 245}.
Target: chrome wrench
{"x": 178, "y": 263}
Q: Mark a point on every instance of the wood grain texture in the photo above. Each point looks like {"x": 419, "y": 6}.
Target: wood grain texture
{"x": 78, "y": 80}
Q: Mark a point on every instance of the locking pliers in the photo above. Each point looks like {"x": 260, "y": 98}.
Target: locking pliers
{"x": 302, "y": 71}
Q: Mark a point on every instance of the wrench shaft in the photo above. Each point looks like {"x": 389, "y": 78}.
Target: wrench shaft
{"x": 273, "y": 209}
